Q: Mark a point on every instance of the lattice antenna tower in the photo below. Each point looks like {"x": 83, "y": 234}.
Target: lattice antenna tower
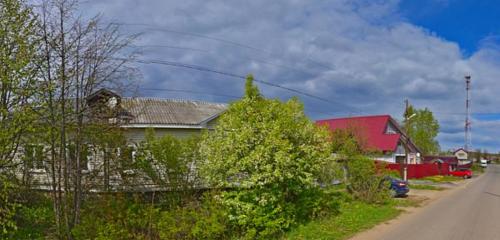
{"x": 468, "y": 130}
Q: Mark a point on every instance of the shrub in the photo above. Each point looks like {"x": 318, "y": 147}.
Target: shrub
{"x": 364, "y": 183}
{"x": 197, "y": 220}
{"x": 7, "y": 207}
{"x": 34, "y": 217}
{"x": 122, "y": 217}
{"x": 271, "y": 155}
{"x": 117, "y": 217}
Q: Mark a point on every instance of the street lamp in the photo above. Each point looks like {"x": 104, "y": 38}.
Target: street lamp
{"x": 405, "y": 167}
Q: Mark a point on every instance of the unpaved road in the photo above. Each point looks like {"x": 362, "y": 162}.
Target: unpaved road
{"x": 469, "y": 212}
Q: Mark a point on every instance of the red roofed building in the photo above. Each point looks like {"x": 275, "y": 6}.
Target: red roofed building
{"x": 379, "y": 134}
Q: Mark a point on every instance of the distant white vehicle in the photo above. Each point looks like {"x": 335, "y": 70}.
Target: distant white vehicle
{"x": 484, "y": 163}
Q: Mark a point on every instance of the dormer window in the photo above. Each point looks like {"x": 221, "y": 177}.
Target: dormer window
{"x": 390, "y": 129}
{"x": 112, "y": 102}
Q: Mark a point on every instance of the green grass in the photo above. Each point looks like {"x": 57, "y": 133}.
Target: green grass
{"x": 354, "y": 217}
{"x": 477, "y": 169}
{"x": 441, "y": 179}
{"x": 426, "y": 187}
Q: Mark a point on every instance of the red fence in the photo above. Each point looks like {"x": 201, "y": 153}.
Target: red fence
{"x": 422, "y": 170}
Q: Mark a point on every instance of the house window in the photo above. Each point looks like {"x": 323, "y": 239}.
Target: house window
{"x": 390, "y": 129}
{"x": 127, "y": 155}
{"x": 34, "y": 157}
{"x": 84, "y": 155}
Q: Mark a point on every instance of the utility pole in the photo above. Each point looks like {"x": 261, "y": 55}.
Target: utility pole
{"x": 467, "y": 144}
{"x": 407, "y": 118}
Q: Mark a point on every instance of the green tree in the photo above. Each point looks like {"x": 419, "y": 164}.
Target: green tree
{"x": 169, "y": 163}
{"x": 363, "y": 179}
{"x": 18, "y": 72}
{"x": 422, "y": 128}
{"x": 271, "y": 154}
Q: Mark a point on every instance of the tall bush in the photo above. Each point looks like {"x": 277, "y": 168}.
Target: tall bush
{"x": 7, "y": 208}
{"x": 170, "y": 163}
{"x": 270, "y": 154}
{"x": 365, "y": 182}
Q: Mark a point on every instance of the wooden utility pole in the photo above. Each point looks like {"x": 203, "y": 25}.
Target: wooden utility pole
{"x": 405, "y": 164}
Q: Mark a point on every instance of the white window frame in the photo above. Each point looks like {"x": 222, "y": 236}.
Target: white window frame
{"x": 35, "y": 168}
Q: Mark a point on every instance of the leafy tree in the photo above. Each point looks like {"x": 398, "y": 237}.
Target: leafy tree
{"x": 270, "y": 153}
{"x": 169, "y": 162}
{"x": 422, "y": 128}
{"x": 363, "y": 179}
{"x": 18, "y": 72}
{"x": 80, "y": 56}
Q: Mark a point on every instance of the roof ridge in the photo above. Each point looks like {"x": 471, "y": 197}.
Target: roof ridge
{"x": 180, "y": 100}
{"x": 355, "y": 117}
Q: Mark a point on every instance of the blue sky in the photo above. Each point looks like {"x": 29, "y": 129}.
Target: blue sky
{"x": 467, "y": 22}
{"x": 364, "y": 56}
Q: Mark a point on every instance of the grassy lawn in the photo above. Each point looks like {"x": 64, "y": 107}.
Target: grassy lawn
{"x": 426, "y": 187}
{"x": 354, "y": 217}
{"x": 441, "y": 179}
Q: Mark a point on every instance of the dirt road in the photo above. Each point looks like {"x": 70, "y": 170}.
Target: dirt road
{"x": 471, "y": 211}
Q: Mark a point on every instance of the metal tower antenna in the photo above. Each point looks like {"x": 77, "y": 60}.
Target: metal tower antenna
{"x": 468, "y": 141}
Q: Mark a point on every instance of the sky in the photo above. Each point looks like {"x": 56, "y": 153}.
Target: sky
{"x": 355, "y": 57}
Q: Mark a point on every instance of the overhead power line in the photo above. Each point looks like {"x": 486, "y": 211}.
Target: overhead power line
{"x": 168, "y": 46}
{"x": 153, "y": 27}
{"x": 205, "y": 69}
{"x": 189, "y": 91}
{"x": 163, "y": 29}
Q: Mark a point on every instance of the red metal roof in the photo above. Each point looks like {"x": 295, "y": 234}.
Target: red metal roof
{"x": 372, "y": 130}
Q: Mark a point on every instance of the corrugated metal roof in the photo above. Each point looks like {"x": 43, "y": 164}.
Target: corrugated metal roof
{"x": 370, "y": 128}
{"x": 170, "y": 111}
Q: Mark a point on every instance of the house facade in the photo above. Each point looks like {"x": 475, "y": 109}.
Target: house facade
{"x": 133, "y": 116}
{"x": 379, "y": 135}
{"x": 463, "y": 156}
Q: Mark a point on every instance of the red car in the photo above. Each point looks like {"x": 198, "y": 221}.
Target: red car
{"x": 465, "y": 173}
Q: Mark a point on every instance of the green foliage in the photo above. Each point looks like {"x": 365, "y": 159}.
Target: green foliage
{"x": 476, "y": 168}
{"x": 272, "y": 154}
{"x": 35, "y": 217}
{"x": 347, "y": 142}
{"x": 441, "y": 179}
{"x": 196, "y": 220}
{"x": 117, "y": 217}
{"x": 18, "y": 68}
{"x": 122, "y": 217}
{"x": 168, "y": 160}
{"x": 423, "y": 129}
{"x": 365, "y": 183}
{"x": 354, "y": 217}
{"x": 7, "y": 208}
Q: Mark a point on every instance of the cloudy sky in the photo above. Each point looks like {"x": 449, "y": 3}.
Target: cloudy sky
{"x": 362, "y": 57}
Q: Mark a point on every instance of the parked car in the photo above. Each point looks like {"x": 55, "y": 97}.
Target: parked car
{"x": 484, "y": 163}
{"x": 398, "y": 187}
{"x": 462, "y": 172}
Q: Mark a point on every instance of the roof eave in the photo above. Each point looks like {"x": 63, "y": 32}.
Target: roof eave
{"x": 163, "y": 126}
